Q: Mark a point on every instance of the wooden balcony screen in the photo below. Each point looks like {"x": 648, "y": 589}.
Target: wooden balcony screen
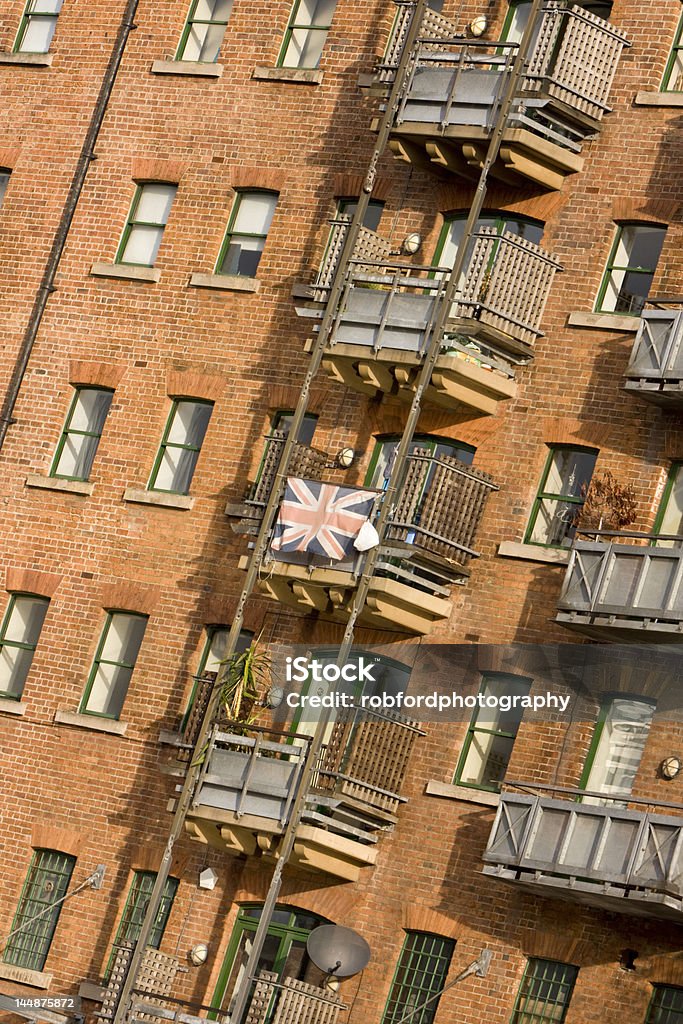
{"x": 306, "y": 462}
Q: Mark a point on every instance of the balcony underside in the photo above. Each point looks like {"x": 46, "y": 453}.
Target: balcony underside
{"x": 390, "y": 604}
{"x": 461, "y": 150}
{"x": 316, "y": 849}
{"x": 619, "y": 628}
{"x": 668, "y": 394}
{"x": 455, "y": 380}
{"x": 604, "y": 896}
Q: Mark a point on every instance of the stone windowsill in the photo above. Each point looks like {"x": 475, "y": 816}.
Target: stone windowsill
{"x": 53, "y": 483}
{"x": 125, "y": 272}
{"x": 37, "y": 979}
{"x": 604, "y": 321}
{"x": 158, "y": 498}
{"x": 186, "y": 67}
{"x": 304, "y": 76}
{"x": 468, "y": 796}
{"x": 92, "y": 990}
{"x": 39, "y": 60}
{"x": 12, "y": 707}
{"x": 533, "y": 553}
{"x": 94, "y": 722}
{"x": 225, "y": 282}
{"x": 658, "y": 99}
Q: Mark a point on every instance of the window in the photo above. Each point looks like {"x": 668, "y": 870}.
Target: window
{"x": 420, "y": 973}
{"x": 518, "y": 16}
{"x": 545, "y": 992}
{"x": 452, "y": 233}
{"x": 245, "y": 238}
{"x": 284, "y": 951}
{"x": 81, "y": 435}
{"x": 136, "y": 908}
{"x": 666, "y": 1005}
{"x": 204, "y": 30}
{"x": 561, "y": 496}
{"x": 46, "y": 884}
{"x": 306, "y": 33}
{"x": 373, "y": 214}
{"x": 113, "y": 666}
{"x": 4, "y": 182}
{"x": 37, "y": 26}
{"x": 491, "y": 736}
{"x": 212, "y": 656}
{"x": 180, "y": 446}
{"x": 617, "y": 747}
{"x": 673, "y": 76}
{"x": 382, "y": 461}
{"x": 670, "y": 514}
{"x": 630, "y": 269}
{"x": 144, "y": 228}
{"x": 281, "y": 422}
{"x": 19, "y": 635}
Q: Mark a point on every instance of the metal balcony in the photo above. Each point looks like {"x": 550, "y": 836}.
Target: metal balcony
{"x": 248, "y": 785}
{"x": 655, "y": 371}
{"x": 625, "y": 586}
{"x": 453, "y": 91}
{"x": 428, "y": 545}
{"x": 628, "y": 860}
{"x": 384, "y": 320}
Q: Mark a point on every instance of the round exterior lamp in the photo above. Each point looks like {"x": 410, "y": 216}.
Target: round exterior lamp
{"x": 412, "y": 243}
{"x": 479, "y": 25}
{"x": 199, "y": 954}
{"x": 338, "y": 951}
{"x": 670, "y": 768}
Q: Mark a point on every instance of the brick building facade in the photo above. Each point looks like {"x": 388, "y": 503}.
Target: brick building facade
{"x": 167, "y": 351}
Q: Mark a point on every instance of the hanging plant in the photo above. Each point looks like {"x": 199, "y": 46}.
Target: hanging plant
{"x": 608, "y": 505}
{"x": 244, "y": 683}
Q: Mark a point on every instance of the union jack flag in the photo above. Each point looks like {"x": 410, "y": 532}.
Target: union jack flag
{"x": 320, "y": 519}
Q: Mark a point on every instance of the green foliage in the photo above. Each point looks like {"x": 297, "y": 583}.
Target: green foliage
{"x": 244, "y": 681}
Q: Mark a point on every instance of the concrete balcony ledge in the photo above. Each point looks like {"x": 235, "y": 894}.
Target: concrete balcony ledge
{"x": 533, "y": 553}
{"x": 36, "y": 60}
{"x": 658, "y": 99}
{"x": 604, "y": 321}
{"x": 93, "y": 722}
{"x": 53, "y": 483}
{"x": 449, "y": 791}
{"x": 196, "y": 69}
{"x": 22, "y": 975}
{"x": 301, "y": 76}
{"x": 12, "y": 707}
{"x": 150, "y": 275}
{"x": 161, "y": 499}
{"x": 225, "y": 282}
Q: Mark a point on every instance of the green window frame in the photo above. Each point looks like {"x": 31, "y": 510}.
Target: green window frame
{"x": 80, "y": 437}
{"x": 673, "y": 75}
{"x": 284, "y": 951}
{"x": 19, "y": 635}
{"x": 380, "y": 465}
{"x": 545, "y": 992}
{"x": 245, "y": 236}
{"x": 181, "y": 442}
{"x": 37, "y": 26}
{"x": 47, "y": 882}
{"x": 669, "y": 518}
{"x": 630, "y": 269}
{"x": 203, "y": 32}
{"x": 306, "y": 33}
{"x": 616, "y": 747}
{"x": 448, "y": 242}
{"x": 145, "y": 224}
{"x": 491, "y": 735}
{"x": 666, "y": 1005}
{"x": 135, "y": 909}
{"x": 211, "y": 657}
{"x": 113, "y": 664}
{"x": 555, "y": 510}
{"x": 517, "y": 16}
{"x": 420, "y": 974}
{"x": 281, "y": 420}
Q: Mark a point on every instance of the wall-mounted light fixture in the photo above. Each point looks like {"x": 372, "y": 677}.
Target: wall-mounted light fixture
{"x": 412, "y": 243}
{"x": 207, "y": 879}
{"x": 478, "y": 26}
{"x": 345, "y": 457}
{"x": 670, "y": 767}
{"x": 199, "y": 954}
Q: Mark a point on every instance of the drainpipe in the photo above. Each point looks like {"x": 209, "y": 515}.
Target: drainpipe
{"x": 47, "y": 285}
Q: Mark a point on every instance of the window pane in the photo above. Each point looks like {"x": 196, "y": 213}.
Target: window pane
{"x": 283, "y": 421}
{"x": 77, "y": 457}
{"x": 672, "y": 513}
{"x": 315, "y": 12}
{"x": 643, "y": 245}
{"x": 26, "y": 620}
{"x": 420, "y": 973}
{"x": 305, "y": 48}
{"x": 154, "y": 204}
{"x": 90, "y": 410}
{"x": 204, "y": 43}
{"x": 545, "y": 993}
{"x": 142, "y": 246}
{"x": 15, "y": 663}
{"x": 373, "y": 214}
{"x": 176, "y": 470}
{"x": 212, "y": 10}
{"x": 38, "y": 35}
{"x": 109, "y": 689}
{"x": 4, "y": 181}
{"x": 124, "y": 638}
{"x": 555, "y": 523}
{"x": 189, "y": 423}
{"x": 570, "y": 472}
{"x": 39, "y": 908}
{"x": 255, "y": 213}
{"x": 620, "y": 747}
{"x": 666, "y": 1006}
{"x": 45, "y": 7}
{"x": 243, "y": 257}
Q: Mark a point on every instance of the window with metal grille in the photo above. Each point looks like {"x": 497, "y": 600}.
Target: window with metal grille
{"x": 545, "y": 992}
{"x": 37, "y": 26}
{"x": 39, "y": 908}
{"x": 136, "y": 907}
{"x": 420, "y": 974}
{"x": 666, "y": 1005}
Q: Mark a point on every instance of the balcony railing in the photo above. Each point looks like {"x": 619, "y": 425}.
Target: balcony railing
{"x": 624, "y": 586}
{"x": 655, "y": 371}
{"x": 628, "y": 860}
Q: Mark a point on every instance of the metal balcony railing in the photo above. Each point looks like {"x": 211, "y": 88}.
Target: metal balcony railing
{"x": 625, "y": 580}
{"x": 627, "y": 859}
{"x": 655, "y": 370}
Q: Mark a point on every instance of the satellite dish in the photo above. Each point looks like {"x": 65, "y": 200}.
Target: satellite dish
{"x": 337, "y": 951}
